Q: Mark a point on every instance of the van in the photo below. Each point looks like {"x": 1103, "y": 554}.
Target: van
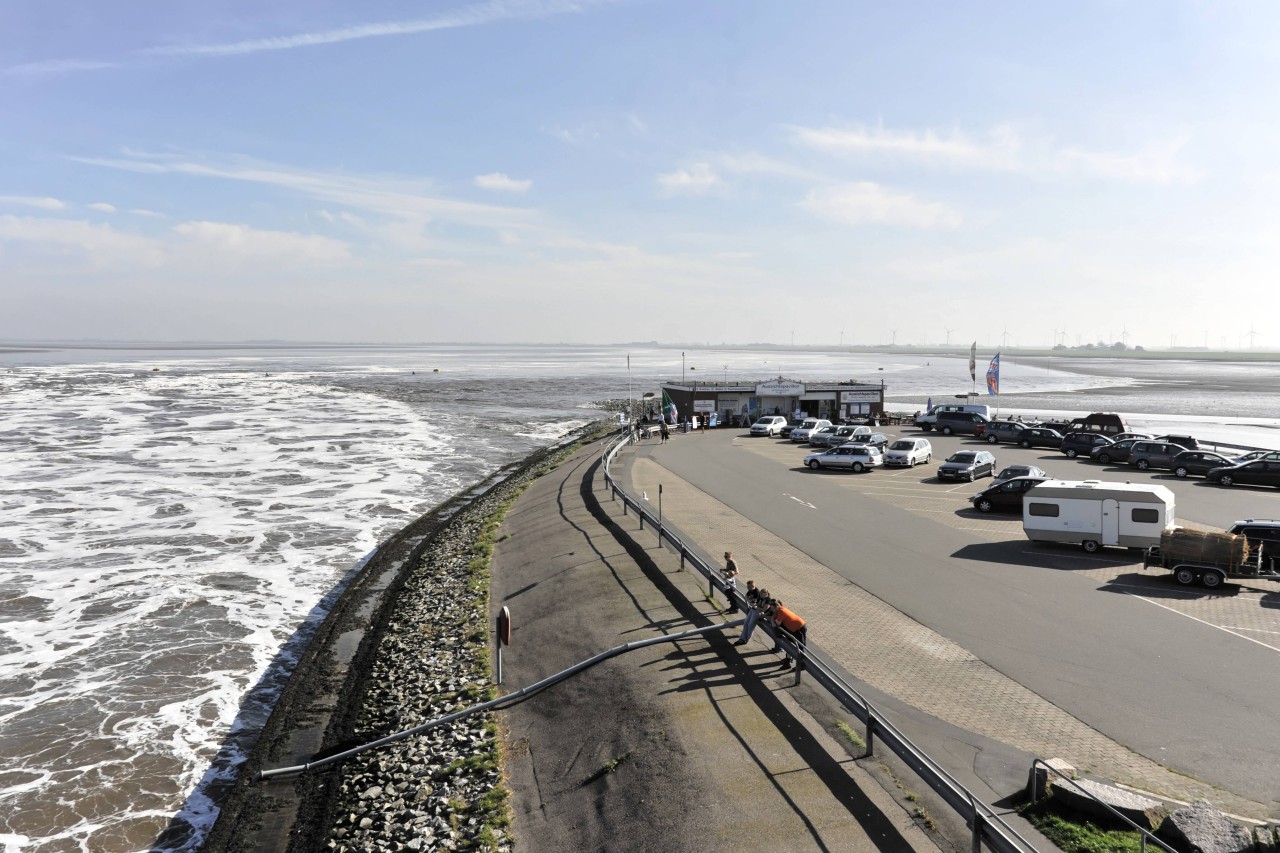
{"x": 1093, "y": 513}
{"x": 1107, "y": 423}
{"x": 927, "y": 421}
{"x": 961, "y": 423}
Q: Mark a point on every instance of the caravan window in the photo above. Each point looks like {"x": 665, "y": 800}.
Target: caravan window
{"x": 1049, "y": 510}
{"x": 1145, "y": 515}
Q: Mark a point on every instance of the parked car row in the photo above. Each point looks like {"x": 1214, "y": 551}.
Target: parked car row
{"x": 1180, "y": 454}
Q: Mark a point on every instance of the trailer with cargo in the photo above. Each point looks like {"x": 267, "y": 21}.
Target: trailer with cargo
{"x": 1209, "y": 558}
{"x": 1094, "y": 513}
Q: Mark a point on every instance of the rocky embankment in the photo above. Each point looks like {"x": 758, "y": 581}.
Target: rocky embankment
{"x": 424, "y": 653}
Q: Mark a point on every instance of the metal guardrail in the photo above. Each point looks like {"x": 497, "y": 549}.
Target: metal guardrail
{"x": 988, "y": 827}
{"x": 1144, "y": 833}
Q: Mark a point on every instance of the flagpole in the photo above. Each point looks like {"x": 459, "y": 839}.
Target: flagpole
{"x": 631, "y": 406}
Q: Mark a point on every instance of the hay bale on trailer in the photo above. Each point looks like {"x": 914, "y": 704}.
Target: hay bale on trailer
{"x": 1181, "y": 543}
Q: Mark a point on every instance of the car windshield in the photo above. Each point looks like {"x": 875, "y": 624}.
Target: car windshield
{"x": 963, "y": 457}
{"x": 902, "y": 445}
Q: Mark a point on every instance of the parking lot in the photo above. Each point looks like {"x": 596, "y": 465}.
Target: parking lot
{"x": 1245, "y": 609}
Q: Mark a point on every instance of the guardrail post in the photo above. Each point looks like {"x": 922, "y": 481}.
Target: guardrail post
{"x": 977, "y": 832}
{"x": 871, "y": 732}
{"x": 682, "y": 558}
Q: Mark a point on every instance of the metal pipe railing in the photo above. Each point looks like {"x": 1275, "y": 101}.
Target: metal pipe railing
{"x": 496, "y": 704}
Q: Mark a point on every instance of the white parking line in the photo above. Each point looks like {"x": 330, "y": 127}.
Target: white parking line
{"x": 1222, "y": 628}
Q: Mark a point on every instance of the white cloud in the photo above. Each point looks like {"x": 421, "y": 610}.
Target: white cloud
{"x": 1002, "y": 149}
{"x": 467, "y": 16}
{"x": 33, "y": 201}
{"x": 100, "y": 246}
{"x": 695, "y": 180}
{"x": 245, "y": 242}
{"x": 389, "y": 196}
{"x": 50, "y": 67}
{"x": 502, "y": 183}
{"x": 102, "y": 207}
{"x": 142, "y": 211}
{"x": 865, "y": 203}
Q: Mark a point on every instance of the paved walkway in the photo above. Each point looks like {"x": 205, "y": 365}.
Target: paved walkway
{"x": 892, "y": 653}
{"x": 700, "y": 747}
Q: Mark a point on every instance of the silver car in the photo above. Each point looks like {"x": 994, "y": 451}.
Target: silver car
{"x": 909, "y": 452}
{"x": 855, "y": 457}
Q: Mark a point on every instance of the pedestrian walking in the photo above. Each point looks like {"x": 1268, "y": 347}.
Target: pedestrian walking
{"x": 730, "y": 574}
{"x": 666, "y": 433}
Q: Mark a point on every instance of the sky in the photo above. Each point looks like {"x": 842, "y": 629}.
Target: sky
{"x": 820, "y": 173}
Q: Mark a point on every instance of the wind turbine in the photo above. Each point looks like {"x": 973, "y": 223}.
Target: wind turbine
{"x": 949, "y": 331}
{"x": 1006, "y": 337}
{"x": 842, "y": 336}
{"x": 1252, "y": 336}
{"x": 894, "y": 343}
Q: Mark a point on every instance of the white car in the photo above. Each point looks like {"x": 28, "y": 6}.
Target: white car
{"x": 909, "y": 452}
{"x": 800, "y": 435}
{"x": 769, "y": 425}
{"x": 855, "y": 457}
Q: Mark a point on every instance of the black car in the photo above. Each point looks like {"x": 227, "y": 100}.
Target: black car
{"x": 1198, "y": 463}
{"x": 1075, "y": 443}
{"x": 1182, "y": 440}
{"x": 968, "y": 465}
{"x": 785, "y": 432}
{"x": 998, "y": 431}
{"x": 1005, "y": 496}
{"x": 875, "y": 439}
{"x": 1265, "y": 531}
{"x": 1116, "y": 451}
{"x": 1260, "y": 472}
{"x": 1040, "y": 437}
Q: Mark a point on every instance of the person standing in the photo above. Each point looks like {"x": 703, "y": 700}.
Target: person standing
{"x": 756, "y": 599}
{"x": 666, "y": 433}
{"x": 730, "y": 574}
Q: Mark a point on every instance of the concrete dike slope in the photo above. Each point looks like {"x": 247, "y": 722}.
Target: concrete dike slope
{"x": 693, "y": 745}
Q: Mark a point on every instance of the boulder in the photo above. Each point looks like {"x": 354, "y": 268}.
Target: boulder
{"x": 1087, "y": 797}
{"x": 1203, "y": 829}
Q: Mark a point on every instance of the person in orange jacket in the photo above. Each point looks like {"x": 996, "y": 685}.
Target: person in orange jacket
{"x": 788, "y": 621}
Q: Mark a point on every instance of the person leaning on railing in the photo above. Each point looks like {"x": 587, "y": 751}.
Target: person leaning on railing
{"x": 793, "y": 625}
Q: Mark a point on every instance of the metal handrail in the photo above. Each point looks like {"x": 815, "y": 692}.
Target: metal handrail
{"x": 504, "y": 701}
{"x": 987, "y": 825}
{"x": 1146, "y": 834}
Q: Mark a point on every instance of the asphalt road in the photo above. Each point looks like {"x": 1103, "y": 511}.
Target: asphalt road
{"x": 1185, "y": 677}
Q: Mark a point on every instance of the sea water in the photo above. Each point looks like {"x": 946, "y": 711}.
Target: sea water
{"x": 173, "y": 518}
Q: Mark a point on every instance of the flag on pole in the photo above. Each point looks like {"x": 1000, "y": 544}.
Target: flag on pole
{"x": 669, "y": 408}
{"x": 993, "y": 376}
{"x": 973, "y": 362}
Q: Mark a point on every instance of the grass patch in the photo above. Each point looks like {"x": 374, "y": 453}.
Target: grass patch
{"x": 1076, "y": 835}
{"x": 851, "y": 735}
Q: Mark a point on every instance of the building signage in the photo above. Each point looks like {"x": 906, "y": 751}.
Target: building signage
{"x": 780, "y": 388}
{"x": 860, "y": 396}
{"x": 704, "y": 405}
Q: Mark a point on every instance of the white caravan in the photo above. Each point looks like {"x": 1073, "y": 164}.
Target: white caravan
{"x": 1093, "y": 513}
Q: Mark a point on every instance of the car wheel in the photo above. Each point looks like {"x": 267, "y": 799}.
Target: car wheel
{"x": 815, "y": 464}
{"x": 972, "y": 476}
{"x": 927, "y": 427}
{"x": 946, "y": 430}
{"x": 1184, "y": 576}
{"x": 1090, "y": 545}
{"x": 1181, "y": 472}
{"x": 1024, "y": 443}
{"x": 1072, "y": 453}
{"x": 1212, "y": 579}
{"x": 1226, "y": 480}
{"x": 993, "y": 439}
{"x": 1104, "y": 458}
{"x": 983, "y": 505}
{"x": 858, "y": 467}
{"x": 1142, "y": 464}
